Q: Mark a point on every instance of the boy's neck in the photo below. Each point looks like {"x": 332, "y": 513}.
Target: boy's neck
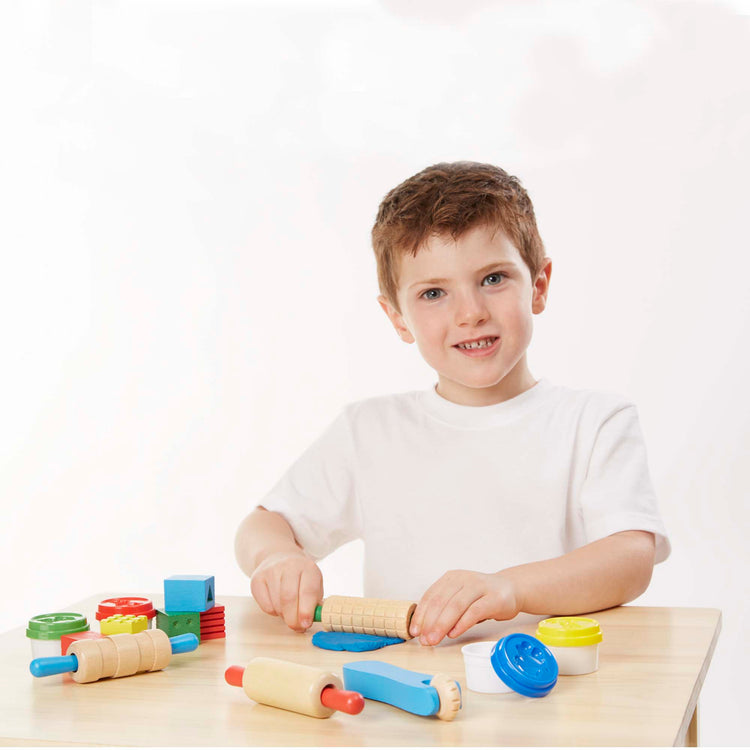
{"x": 516, "y": 382}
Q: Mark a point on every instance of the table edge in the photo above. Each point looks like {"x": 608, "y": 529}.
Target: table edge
{"x": 692, "y": 704}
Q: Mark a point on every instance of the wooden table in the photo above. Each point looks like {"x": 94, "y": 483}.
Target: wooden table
{"x": 652, "y": 665}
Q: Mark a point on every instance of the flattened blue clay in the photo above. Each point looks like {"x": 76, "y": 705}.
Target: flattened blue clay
{"x": 352, "y": 641}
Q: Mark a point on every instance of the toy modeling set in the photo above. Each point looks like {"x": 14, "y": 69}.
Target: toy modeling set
{"x": 135, "y": 637}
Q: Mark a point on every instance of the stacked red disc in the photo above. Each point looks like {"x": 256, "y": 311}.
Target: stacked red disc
{"x": 212, "y": 623}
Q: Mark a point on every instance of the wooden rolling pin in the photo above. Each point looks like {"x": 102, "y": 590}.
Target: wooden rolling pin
{"x": 354, "y": 614}
{"x": 118, "y": 655}
{"x": 294, "y": 687}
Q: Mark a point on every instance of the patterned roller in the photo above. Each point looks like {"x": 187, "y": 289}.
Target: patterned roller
{"x": 119, "y": 655}
{"x": 353, "y": 614}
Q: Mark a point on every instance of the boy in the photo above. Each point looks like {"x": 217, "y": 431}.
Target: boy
{"x": 535, "y": 498}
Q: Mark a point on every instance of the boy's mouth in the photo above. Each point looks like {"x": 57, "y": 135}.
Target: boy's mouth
{"x": 479, "y": 348}
{"x": 484, "y": 343}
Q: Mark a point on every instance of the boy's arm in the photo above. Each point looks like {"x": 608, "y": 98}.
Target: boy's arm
{"x": 599, "y": 575}
{"x": 284, "y": 581}
{"x": 602, "y": 574}
{"x": 263, "y": 533}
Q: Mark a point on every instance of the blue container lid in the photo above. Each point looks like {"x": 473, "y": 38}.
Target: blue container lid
{"x": 524, "y": 664}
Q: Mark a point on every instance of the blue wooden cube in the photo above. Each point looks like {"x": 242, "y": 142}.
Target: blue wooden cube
{"x": 188, "y": 593}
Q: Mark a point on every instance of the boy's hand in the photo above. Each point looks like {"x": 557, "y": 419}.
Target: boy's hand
{"x": 460, "y": 599}
{"x": 288, "y": 584}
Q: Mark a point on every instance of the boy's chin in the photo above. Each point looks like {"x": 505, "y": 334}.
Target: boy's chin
{"x": 475, "y": 385}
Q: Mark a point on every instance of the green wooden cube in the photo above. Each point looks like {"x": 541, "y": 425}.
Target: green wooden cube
{"x": 177, "y": 623}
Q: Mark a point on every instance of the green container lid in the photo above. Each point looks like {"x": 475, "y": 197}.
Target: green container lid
{"x": 53, "y": 626}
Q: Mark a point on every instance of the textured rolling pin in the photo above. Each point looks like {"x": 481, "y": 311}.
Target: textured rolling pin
{"x": 294, "y": 687}
{"x": 118, "y": 655}
{"x": 354, "y": 614}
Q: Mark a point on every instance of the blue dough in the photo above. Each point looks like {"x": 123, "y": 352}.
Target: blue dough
{"x": 352, "y": 641}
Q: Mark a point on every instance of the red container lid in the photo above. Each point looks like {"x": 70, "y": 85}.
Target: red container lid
{"x": 125, "y": 605}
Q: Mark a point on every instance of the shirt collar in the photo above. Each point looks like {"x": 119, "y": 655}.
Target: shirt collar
{"x": 459, "y": 415}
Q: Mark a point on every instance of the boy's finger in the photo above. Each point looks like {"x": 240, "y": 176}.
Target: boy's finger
{"x": 289, "y": 598}
{"x": 452, "y": 613}
{"x": 423, "y": 607}
{"x": 310, "y": 595}
{"x": 273, "y": 584}
{"x": 434, "y": 599}
{"x": 443, "y": 621}
{"x": 417, "y": 619}
{"x": 415, "y": 625}
{"x": 476, "y": 613}
{"x": 414, "y": 622}
{"x": 430, "y": 630}
{"x": 259, "y": 590}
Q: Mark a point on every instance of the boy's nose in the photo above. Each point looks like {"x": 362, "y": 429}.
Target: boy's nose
{"x": 471, "y": 310}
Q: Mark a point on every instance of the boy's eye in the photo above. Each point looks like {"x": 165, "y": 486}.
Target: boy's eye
{"x": 493, "y": 279}
{"x": 431, "y": 294}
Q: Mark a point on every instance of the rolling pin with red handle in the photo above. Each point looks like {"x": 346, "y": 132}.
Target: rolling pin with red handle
{"x": 294, "y": 687}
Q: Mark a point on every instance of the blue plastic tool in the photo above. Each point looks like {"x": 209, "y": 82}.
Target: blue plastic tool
{"x": 525, "y": 664}
{"x": 48, "y": 665}
{"x": 333, "y": 641}
{"x": 403, "y": 688}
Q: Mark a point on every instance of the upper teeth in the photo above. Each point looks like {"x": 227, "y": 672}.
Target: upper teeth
{"x": 481, "y": 344}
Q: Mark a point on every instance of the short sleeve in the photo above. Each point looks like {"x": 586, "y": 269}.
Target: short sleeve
{"x": 316, "y": 495}
{"x": 617, "y": 492}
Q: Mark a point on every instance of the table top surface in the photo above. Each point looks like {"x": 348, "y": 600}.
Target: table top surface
{"x": 652, "y": 663}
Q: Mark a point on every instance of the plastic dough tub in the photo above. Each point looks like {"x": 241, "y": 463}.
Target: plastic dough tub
{"x": 574, "y": 641}
{"x": 44, "y": 631}
{"x": 480, "y": 677}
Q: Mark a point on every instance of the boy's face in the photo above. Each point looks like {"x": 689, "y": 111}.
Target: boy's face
{"x": 468, "y": 290}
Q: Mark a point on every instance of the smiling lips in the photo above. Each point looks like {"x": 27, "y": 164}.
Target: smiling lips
{"x": 478, "y": 347}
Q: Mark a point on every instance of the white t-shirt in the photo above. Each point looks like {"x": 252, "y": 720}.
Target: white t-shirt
{"x": 432, "y": 486}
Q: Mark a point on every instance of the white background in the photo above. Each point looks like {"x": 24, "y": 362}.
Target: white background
{"x": 187, "y": 291}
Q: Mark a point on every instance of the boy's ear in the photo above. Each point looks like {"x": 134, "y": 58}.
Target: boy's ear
{"x": 396, "y": 319}
{"x": 541, "y": 288}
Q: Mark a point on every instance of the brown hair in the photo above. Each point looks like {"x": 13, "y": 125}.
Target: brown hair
{"x": 451, "y": 198}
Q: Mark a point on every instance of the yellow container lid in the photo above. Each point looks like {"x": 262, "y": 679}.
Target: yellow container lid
{"x": 569, "y": 631}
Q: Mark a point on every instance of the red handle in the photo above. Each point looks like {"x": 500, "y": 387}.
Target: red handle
{"x": 342, "y": 700}
{"x": 233, "y": 675}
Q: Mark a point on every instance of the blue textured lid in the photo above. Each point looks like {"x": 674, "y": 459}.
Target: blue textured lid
{"x": 524, "y": 664}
